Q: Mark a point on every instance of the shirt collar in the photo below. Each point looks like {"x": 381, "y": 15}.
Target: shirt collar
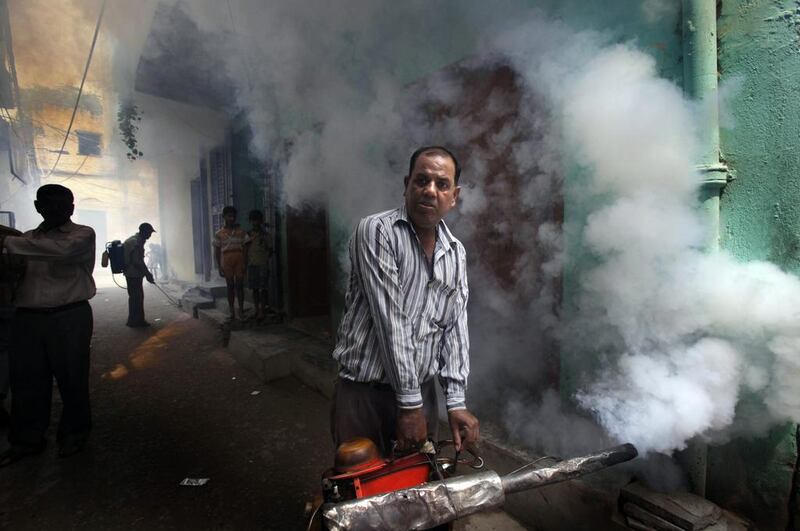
{"x": 69, "y": 226}
{"x": 444, "y": 237}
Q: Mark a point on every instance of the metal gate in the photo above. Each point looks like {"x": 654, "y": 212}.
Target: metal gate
{"x": 219, "y": 185}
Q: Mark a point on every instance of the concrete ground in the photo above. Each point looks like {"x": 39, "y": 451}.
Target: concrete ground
{"x": 170, "y": 402}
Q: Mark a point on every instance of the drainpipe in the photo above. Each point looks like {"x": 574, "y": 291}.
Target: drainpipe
{"x": 700, "y": 83}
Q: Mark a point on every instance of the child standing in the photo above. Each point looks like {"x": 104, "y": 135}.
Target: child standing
{"x": 230, "y": 255}
{"x": 259, "y": 253}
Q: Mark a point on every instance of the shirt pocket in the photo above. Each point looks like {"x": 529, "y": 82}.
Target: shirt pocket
{"x": 445, "y": 304}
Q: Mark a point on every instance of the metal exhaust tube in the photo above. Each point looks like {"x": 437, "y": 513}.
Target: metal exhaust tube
{"x": 568, "y": 469}
{"x": 439, "y": 502}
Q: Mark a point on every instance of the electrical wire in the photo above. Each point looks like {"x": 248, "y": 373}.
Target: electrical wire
{"x": 76, "y": 171}
{"x": 80, "y": 89}
{"x": 313, "y": 515}
{"x": 527, "y": 465}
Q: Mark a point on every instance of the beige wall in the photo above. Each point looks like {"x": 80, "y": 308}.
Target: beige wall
{"x": 174, "y": 137}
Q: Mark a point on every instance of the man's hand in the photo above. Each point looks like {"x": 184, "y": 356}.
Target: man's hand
{"x": 412, "y": 430}
{"x": 149, "y": 277}
{"x": 465, "y": 428}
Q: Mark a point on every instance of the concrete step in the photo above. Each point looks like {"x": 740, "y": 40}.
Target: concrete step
{"x": 191, "y": 302}
{"x": 213, "y": 316}
{"x": 219, "y": 320}
{"x": 268, "y": 356}
{"x": 221, "y": 303}
{"x": 213, "y": 291}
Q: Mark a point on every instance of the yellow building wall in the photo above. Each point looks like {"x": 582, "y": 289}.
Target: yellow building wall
{"x": 51, "y": 41}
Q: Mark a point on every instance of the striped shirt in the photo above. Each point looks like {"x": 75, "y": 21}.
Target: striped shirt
{"x": 404, "y": 322}
{"x": 230, "y": 240}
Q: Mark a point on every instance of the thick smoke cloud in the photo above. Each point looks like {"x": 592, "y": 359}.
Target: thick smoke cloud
{"x": 694, "y": 329}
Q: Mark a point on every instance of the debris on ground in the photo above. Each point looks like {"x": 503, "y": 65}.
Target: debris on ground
{"x": 194, "y": 482}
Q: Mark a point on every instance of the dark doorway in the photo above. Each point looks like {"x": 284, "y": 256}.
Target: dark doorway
{"x": 502, "y": 134}
{"x": 307, "y": 258}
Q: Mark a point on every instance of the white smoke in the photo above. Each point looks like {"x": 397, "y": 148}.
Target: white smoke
{"x": 693, "y": 329}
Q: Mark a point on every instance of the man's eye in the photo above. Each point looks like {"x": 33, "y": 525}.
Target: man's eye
{"x": 444, "y": 185}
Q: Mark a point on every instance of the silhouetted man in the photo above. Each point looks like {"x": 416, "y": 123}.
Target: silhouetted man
{"x": 405, "y": 319}
{"x": 52, "y": 328}
{"x": 12, "y": 269}
{"x": 135, "y": 273}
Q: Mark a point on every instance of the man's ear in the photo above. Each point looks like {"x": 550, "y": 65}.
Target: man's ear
{"x": 456, "y": 191}
{"x": 405, "y": 184}
{"x": 36, "y": 206}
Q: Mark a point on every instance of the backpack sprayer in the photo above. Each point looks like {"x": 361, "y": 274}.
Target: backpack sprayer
{"x": 114, "y": 256}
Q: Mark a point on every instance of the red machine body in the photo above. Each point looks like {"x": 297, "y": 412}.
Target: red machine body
{"x": 361, "y": 471}
{"x": 380, "y": 476}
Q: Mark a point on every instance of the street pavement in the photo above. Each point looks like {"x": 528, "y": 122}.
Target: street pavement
{"x": 170, "y": 403}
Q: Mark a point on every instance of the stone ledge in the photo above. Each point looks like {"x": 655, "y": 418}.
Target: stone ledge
{"x": 266, "y": 357}
{"x": 191, "y": 303}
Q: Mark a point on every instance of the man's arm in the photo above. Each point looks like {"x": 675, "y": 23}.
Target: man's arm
{"x": 376, "y": 264}
{"x": 78, "y": 246}
{"x": 453, "y": 375}
{"x": 140, "y": 263}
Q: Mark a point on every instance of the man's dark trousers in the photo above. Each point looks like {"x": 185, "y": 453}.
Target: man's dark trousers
{"x": 43, "y": 345}
{"x": 370, "y": 410}
{"x": 135, "y": 301}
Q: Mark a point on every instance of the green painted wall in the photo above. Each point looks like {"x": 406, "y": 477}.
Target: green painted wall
{"x": 759, "y": 49}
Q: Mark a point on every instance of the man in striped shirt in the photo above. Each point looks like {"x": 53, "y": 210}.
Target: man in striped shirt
{"x": 405, "y": 320}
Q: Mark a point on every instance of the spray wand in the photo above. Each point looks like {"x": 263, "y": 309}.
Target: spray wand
{"x": 173, "y": 301}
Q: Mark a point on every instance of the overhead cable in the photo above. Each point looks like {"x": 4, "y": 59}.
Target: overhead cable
{"x": 80, "y": 89}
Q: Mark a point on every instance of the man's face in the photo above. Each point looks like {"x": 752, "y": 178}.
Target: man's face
{"x": 55, "y": 210}
{"x": 146, "y": 234}
{"x": 230, "y": 218}
{"x": 256, "y": 223}
{"x": 431, "y": 190}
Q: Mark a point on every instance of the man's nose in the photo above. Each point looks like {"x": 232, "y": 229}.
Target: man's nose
{"x": 429, "y": 188}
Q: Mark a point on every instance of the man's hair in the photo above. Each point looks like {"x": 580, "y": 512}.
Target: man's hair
{"x": 229, "y": 210}
{"x": 256, "y": 214}
{"x": 434, "y": 149}
{"x": 54, "y": 191}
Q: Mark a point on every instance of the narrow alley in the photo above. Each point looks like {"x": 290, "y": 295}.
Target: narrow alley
{"x": 557, "y": 239}
{"x": 170, "y": 403}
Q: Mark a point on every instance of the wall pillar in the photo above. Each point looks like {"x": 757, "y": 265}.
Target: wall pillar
{"x": 700, "y": 82}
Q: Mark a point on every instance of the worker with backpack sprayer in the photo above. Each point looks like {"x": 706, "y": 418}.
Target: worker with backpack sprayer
{"x": 128, "y": 258}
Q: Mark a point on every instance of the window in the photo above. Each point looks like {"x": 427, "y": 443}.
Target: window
{"x": 89, "y": 143}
